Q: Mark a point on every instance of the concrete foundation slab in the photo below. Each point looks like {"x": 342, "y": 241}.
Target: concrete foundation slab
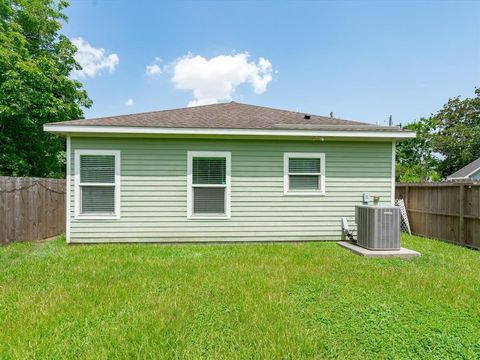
{"x": 402, "y": 253}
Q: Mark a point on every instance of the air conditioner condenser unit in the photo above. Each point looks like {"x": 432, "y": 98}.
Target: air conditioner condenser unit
{"x": 378, "y": 227}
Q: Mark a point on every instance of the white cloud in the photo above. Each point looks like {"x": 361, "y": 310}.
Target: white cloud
{"x": 129, "y": 102}
{"x": 93, "y": 60}
{"x": 154, "y": 69}
{"x": 216, "y": 79}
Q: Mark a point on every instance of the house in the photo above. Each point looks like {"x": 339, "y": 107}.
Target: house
{"x": 468, "y": 172}
{"x": 223, "y": 172}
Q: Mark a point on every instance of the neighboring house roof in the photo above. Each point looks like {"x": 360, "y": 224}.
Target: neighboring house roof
{"x": 227, "y": 116}
{"x": 466, "y": 171}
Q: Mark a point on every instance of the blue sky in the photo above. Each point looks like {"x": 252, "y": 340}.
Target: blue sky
{"x": 363, "y": 60}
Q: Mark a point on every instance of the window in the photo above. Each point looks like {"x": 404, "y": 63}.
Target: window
{"x": 97, "y": 184}
{"x": 208, "y": 193}
{"x": 304, "y": 174}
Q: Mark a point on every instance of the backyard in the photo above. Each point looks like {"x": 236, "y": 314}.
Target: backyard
{"x": 237, "y": 301}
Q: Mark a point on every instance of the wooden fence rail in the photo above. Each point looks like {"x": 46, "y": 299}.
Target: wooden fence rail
{"x": 445, "y": 211}
{"x": 31, "y": 208}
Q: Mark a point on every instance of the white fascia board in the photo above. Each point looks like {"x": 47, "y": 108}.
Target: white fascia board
{"x": 72, "y": 129}
{"x": 69, "y": 190}
{"x": 457, "y": 178}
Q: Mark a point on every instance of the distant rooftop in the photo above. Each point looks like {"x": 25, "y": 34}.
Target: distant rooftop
{"x": 466, "y": 171}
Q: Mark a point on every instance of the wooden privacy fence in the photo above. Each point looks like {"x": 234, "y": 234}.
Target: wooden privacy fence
{"x": 31, "y": 208}
{"x": 446, "y": 211}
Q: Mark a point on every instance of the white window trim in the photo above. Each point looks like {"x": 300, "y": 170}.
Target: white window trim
{"x": 78, "y": 214}
{"x": 228, "y": 187}
{"x": 68, "y": 170}
{"x": 392, "y": 189}
{"x": 286, "y": 179}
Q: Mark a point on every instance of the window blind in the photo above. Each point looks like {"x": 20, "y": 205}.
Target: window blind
{"x": 98, "y": 199}
{"x": 97, "y": 184}
{"x": 304, "y": 173}
{"x": 304, "y": 182}
{"x": 97, "y": 169}
{"x": 304, "y": 165}
{"x": 209, "y": 200}
{"x": 209, "y": 185}
{"x": 209, "y": 170}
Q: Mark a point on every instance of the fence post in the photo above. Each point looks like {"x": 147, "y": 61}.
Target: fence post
{"x": 3, "y": 211}
{"x": 461, "y": 210}
{"x": 405, "y": 195}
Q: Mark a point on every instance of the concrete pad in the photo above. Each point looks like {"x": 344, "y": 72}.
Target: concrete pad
{"x": 402, "y": 253}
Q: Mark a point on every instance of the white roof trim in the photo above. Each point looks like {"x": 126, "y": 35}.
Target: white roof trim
{"x": 457, "y": 178}
{"x": 245, "y": 132}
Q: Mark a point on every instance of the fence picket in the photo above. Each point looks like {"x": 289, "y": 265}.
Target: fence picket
{"x": 30, "y": 208}
{"x": 447, "y": 211}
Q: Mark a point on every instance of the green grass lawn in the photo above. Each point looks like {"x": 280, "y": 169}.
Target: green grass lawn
{"x": 237, "y": 301}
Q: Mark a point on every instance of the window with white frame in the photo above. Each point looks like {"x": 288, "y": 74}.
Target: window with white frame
{"x": 208, "y": 184}
{"x": 304, "y": 173}
{"x": 97, "y": 184}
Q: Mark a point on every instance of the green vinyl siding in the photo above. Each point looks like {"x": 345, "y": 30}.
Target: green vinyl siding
{"x": 154, "y": 190}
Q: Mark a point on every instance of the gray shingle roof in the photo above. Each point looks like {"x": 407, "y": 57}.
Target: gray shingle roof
{"x": 229, "y": 116}
{"x": 466, "y": 170}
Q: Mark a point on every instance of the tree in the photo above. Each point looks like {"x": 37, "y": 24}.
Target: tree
{"x": 445, "y": 142}
{"x": 457, "y": 135}
{"x": 416, "y": 160}
{"x": 35, "y": 88}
